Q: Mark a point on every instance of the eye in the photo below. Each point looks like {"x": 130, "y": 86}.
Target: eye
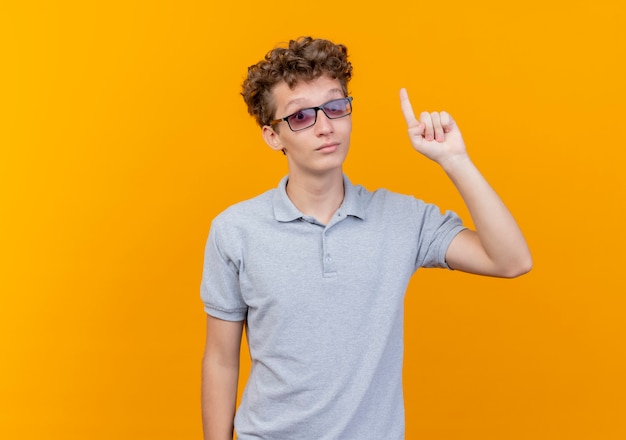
{"x": 301, "y": 116}
{"x": 336, "y": 107}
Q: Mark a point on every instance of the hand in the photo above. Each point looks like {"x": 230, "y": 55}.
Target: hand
{"x": 435, "y": 135}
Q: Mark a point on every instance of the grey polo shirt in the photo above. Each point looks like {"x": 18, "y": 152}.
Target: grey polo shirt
{"x": 323, "y": 306}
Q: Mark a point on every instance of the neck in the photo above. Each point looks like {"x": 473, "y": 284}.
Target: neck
{"x": 317, "y": 196}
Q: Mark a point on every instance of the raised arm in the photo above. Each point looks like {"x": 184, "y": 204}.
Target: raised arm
{"x": 497, "y": 246}
{"x": 220, "y": 374}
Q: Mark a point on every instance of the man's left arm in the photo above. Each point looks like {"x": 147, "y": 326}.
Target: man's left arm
{"x": 497, "y": 247}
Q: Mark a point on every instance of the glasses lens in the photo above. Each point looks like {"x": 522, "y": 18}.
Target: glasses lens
{"x": 302, "y": 119}
{"x": 337, "y": 108}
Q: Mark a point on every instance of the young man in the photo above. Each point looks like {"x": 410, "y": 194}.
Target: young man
{"x": 317, "y": 268}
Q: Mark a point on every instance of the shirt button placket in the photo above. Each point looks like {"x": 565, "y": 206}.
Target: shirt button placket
{"x": 327, "y": 257}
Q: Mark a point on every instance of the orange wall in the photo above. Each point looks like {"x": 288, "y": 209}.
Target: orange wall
{"x": 122, "y": 134}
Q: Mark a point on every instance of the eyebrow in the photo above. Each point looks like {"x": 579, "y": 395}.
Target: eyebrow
{"x": 298, "y": 101}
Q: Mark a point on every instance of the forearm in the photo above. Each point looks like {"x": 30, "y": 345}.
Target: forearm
{"x": 497, "y": 247}
{"x": 505, "y": 250}
{"x": 219, "y": 398}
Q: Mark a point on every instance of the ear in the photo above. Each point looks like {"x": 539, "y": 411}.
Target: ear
{"x": 271, "y": 138}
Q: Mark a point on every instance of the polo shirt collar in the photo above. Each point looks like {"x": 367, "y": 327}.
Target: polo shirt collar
{"x": 286, "y": 211}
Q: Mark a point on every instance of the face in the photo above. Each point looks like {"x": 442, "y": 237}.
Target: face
{"x": 318, "y": 149}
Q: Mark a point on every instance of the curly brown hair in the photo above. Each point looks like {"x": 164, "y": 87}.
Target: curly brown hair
{"x": 304, "y": 59}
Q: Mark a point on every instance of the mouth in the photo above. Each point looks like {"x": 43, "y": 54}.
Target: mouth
{"x": 328, "y": 148}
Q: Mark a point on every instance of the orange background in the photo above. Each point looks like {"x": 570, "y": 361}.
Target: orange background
{"x": 122, "y": 134}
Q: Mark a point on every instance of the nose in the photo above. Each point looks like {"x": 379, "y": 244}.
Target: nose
{"x": 323, "y": 125}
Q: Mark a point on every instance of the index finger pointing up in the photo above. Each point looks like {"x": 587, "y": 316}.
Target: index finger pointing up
{"x": 407, "y": 109}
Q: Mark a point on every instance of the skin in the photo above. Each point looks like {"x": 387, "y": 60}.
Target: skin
{"x": 220, "y": 375}
{"x": 315, "y": 157}
{"x": 497, "y": 247}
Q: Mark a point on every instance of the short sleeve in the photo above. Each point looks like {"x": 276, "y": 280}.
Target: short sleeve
{"x": 220, "y": 289}
{"x": 437, "y": 231}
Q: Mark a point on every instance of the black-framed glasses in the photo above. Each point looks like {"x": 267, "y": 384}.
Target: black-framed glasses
{"x": 307, "y": 117}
